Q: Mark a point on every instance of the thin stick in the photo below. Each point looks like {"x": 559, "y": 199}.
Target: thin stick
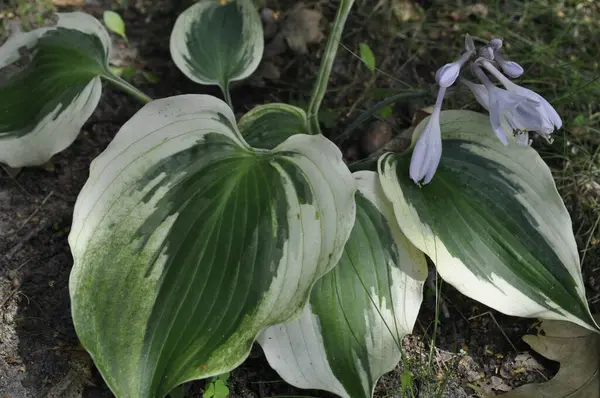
{"x": 35, "y": 212}
{"x": 15, "y": 180}
{"x": 28, "y": 237}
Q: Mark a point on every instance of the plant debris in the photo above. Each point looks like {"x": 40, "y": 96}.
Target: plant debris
{"x": 578, "y": 351}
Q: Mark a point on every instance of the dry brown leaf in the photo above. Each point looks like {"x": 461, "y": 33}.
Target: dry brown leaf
{"x": 301, "y": 27}
{"x": 578, "y": 351}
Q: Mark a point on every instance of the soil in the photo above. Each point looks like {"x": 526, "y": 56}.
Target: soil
{"x": 39, "y": 351}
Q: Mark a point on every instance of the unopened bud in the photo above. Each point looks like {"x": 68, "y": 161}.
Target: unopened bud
{"x": 510, "y": 68}
{"x": 447, "y": 74}
{"x": 496, "y": 43}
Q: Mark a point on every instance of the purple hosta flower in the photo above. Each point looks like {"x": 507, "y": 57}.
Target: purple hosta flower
{"x": 550, "y": 120}
{"x": 514, "y": 110}
{"x": 479, "y": 91}
{"x": 509, "y": 112}
{"x": 508, "y": 119}
{"x": 428, "y": 150}
{"x": 522, "y": 138}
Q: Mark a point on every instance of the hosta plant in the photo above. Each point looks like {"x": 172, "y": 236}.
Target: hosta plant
{"x": 197, "y": 234}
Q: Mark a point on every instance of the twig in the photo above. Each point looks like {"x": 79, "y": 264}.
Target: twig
{"x": 27, "y": 238}
{"x": 15, "y": 180}
{"x": 35, "y": 212}
{"x": 10, "y": 296}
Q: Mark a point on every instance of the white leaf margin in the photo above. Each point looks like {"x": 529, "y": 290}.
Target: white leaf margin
{"x": 174, "y": 124}
{"x": 53, "y": 134}
{"x": 178, "y": 41}
{"x": 498, "y": 294}
{"x": 296, "y": 349}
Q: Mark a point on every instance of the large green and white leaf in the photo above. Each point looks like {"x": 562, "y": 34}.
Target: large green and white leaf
{"x": 267, "y": 126}
{"x": 217, "y": 42}
{"x": 350, "y": 332}
{"x": 492, "y": 221}
{"x": 45, "y": 101}
{"x": 187, "y": 242}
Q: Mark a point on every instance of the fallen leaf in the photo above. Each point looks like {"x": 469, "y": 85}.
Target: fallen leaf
{"x": 495, "y": 383}
{"x": 578, "y": 351}
{"x": 301, "y": 27}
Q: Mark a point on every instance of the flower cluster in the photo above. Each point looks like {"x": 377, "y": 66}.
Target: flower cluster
{"x": 512, "y": 109}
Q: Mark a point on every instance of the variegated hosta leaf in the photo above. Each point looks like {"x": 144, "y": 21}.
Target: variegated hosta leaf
{"x": 350, "y": 332}
{"x": 187, "y": 242}
{"x": 267, "y": 126}
{"x": 492, "y": 221}
{"x": 45, "y": 100}
{"x": 217, "y": 42}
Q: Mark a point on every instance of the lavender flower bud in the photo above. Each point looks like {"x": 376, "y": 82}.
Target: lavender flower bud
{"x": 447, "y": 74}
{"x": 510, "y": 68}
{"x": 496, "y": 43}
{"x": 427, "y": 153}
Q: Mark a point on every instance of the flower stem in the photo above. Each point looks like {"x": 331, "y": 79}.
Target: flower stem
{"x": 326, "y": 66}
{"x": 126, "y": 87}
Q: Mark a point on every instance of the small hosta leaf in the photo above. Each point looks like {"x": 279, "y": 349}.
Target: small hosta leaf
{"x": 47, "y": 94}
{"x": 367, "y": 56}
{"x": 114, "y": 22}
{"x": 493, "y": 222}
{"x": 187, "y": 242}
{"x": 217, "y": 42}
{"x": 267, "y": 126}
{"x": 578, "y": 351}
{"x": 350, "y": 332}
